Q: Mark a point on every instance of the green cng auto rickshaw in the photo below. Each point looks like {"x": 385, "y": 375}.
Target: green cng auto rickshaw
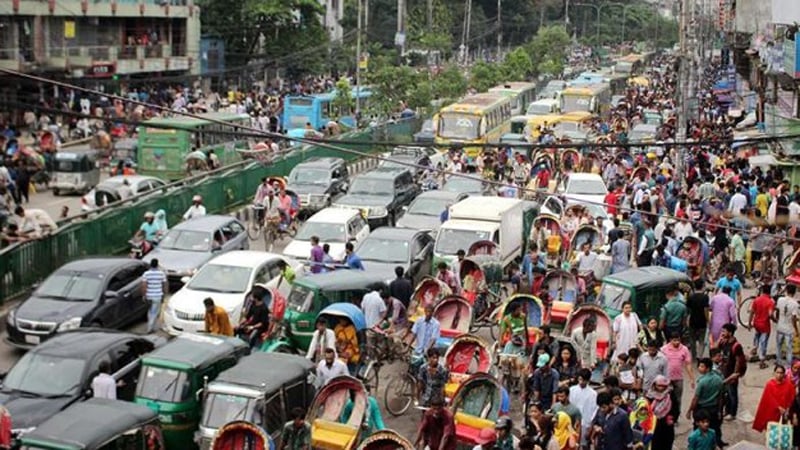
{"x": 644, "y": 287}
{"x": 98, "y": 424}
{"x": 262, "y": 388}
{"x": 173, "y": 375}
{"x": 75, "y": 172}
{"x": 309, "y": 296}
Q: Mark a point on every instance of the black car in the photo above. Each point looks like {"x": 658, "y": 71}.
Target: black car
{"x": 97, "y": 292}
{"x": 59, "y": 372}
{"x": 427, "y": 134}
{"x": 388, "y": 247}
{"x": 381, "y": 195}
{"x": 319, "y": 182}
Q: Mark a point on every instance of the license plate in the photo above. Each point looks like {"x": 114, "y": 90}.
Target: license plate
{"x": 32, "y": 339}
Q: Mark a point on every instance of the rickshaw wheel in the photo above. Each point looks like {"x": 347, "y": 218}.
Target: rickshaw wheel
{"x": 743, "y": 311}
{"x": 369, "y": 376}
{"x": 399, "y": 395}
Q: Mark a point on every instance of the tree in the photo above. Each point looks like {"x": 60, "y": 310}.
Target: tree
{"x": 484, "y": 75}
{"x": 449, "y": 84}
{"x": 343, "y": 102}
{"x": 517, "y": 65}
{"x": 390, "y": 85}
{"x": 548, "y": 50}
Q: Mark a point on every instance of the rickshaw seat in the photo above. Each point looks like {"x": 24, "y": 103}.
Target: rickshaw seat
{"x": 334, "y": 405}
{"x": 450, "y": 333}
{"x": 331, "y": 435}
{"x": 559, "y": 311}
{"x": 602, "y": 349}
{"x": 468, "y": 427}
{"x": 453, "y": 383}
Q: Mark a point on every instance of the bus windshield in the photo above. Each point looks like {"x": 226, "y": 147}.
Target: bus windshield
{"x": 574, "y": 103}
{"x": 459, "y": 126}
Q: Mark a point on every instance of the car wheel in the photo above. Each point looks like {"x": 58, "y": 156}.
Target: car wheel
{"x": 55, "y": 192}
{"x": 96, "y": 324}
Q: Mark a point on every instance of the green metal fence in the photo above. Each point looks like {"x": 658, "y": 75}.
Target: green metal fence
{"x": 107, "y": 231}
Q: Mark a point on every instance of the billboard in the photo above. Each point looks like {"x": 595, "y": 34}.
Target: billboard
{"x": 791, "y": 56}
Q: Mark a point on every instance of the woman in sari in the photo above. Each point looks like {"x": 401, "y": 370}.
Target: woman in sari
{"x": 563, "y": 432}
{"x": 776, "y": 400}
{"x": 643, "y": 423}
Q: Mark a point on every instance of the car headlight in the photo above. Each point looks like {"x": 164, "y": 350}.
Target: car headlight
{"x": 70, "y": 324}
{"x": 11, "y": 318}
{"x": 378, "y": 211}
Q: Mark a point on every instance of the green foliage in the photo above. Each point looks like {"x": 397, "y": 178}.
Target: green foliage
{"x": 548, "y": 50}
{"x": 517, "y": 65}
{"x": 450, "y": 83}
{"x": 343, "y": 101}
{"x": 484, "y": 75}
{"x": 390, "y": 85}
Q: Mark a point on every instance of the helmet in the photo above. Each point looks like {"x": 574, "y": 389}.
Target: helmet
{"x": 503, "y": 423}
{"x": 197, "y": 198}
{"x": 149, "y": 215}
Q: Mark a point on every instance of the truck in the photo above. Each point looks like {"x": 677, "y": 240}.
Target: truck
{"x": 497, "y": 219}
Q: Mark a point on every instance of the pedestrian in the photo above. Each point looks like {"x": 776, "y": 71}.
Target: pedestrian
{"x": 504, "y": 428}
{"x": 620, "y": 255}
{"x": 708, "y": 398}
{"x": 611, "y": 429}
{"x": 584, "y": 397}
{"x": 329, "y": 368}
{"x": 287, "y": 273}
{"x": 646, "y": 245}
{"x": 674, "y": 314}
{"x": 650, "y": 365}
{"x": 679, "y": 360}
{"x": 401, "y": 287}
{"x": 373, "y": 306}
{"x": 786, "y": 327}
{"x": 562, "y": 404}
{"x": 431, "y": 379}
{"x": 702, "y": 437}
{"x": 103, "y": 384}
{"x": 776, "y": 399}
{"x": 426, "y": 332}
{"x": 351, "y": 260}
{"x": 626, "y": 329}
{"x": 651, "y": 332}
{"x": 731, "y": 280}
{"x": 584, "y": 339}
{"x": 660, "y": 399}
{"x": 542, "y": 384}
{"x": 196, "y": 210}
{"x": 722, "y": 309}
{"x": 154, "y": 288}
{"x": 698, "y": 305}
{"x": 23, "y": 183}
{"x": 761, "y": 312}
{"x": 216, "y": 319}
{"x": 734, "y": 367}
{"x": 437, "y": 429}
{"x": 316, "y": 255}
{"x": 296, "y": 433}
{"x": 323, "y": 338}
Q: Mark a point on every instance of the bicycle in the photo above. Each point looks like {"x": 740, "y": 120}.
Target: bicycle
{"x": 401, "y": 392}
{"x": 381, "y": 349}
{"x": 255, "y": 224}
{"x": 743, "y": 309}
{"x": 271, "y": 233}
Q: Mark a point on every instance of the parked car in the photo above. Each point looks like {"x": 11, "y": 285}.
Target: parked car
{"x": 58, "y": 373}
{"x": 406, "y": 157}
{"x": 425, "y": 212}
{"x": 381, "y": 195}
{"x": 96, "y": 292}
{"x": 189, "y": 245}
{"x": 333, "y": 226}
{"x": 107, "y": 191}
{"x": 388, "y": 247}
{"x": 426, "y": 134}
{"x": 583, "y": 188}
{"x": 467, "y": 185}
{"x": 227, "y": 279}
{"x": 318, "y": 182}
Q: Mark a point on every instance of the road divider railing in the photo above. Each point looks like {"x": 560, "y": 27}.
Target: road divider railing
{"x": 106, "y": 230}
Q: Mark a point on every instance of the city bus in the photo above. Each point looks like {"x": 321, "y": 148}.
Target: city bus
{"x": 594, "y": 99}
{"x": 522, "y": 94}
{"x": 476, "y": 119}
{"x": 317, "y": 110}
{"x": 165, "y": 142}
{"x": 630, "y": 65}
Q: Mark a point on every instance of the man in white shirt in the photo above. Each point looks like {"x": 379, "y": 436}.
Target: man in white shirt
{"x": 104, "y": 385}
{"x": 587, "y": 259}
{"x": 196, "y": 210}
{"x": 585, "y": 399}
{"x": 786, "y": 312}
{"x": 374, "y": 308}
{"x": 329, "y": 368}
{"x": 33, "y": 222}
{"x": 683, "y": 229}
{"x": 322, "y": 339}
{"x": 737, "y": 203}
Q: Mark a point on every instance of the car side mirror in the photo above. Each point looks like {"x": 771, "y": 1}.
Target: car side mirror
{"x": 199, "y": 395}
{"x": 88, "y": 393}
{"x": 344, "y": 187}
{"x": 185, "y": 279}
{"x": 404, "y": 208}
{"x": 110, "y": 294}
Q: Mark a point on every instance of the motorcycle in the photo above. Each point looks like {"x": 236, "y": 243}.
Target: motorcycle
{"x": 140, "y": 248}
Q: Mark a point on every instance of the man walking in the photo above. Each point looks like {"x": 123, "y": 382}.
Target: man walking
{"x": 154, "y": 287}
{"x": 761, "y": 312}
{"x": 708, "y": 397}
{"x": 678, "y": 359}
{"x": 734, "y": 366}
{"x": 786, "y": 311}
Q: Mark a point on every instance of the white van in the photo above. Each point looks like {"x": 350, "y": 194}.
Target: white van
{"x": 334, "y": 226}
{"x": 543, "y": 107}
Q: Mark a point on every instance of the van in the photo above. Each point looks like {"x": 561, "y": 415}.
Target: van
{"x": 333, "y": 226}
{"x": 318, "y": 182}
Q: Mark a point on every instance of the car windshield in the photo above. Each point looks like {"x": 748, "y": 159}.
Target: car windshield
{"x": 300, "y": 298}
{"x": 34, "y": 374}
{"x": 535, "y": 109}
{"x": 160, "y": 384}
{"x": 187, "y": 241}
{"x": 613, "y": 296}
{"x": 82, "y": 287}
{"x": 220, "y": 409}
{"x": 373, "y": 186}
{"x": 449, "y": 241}
{"x": 586, "y": 187}
{"x": 428, "y": 206}
{"x": 302, "y": 175}
{"x": 427, "y": 125}
{"x": 461, "y": 184}
{"x": 220, "y": 278}
{"x": 326, "y": 232}
{"x": 383, "y": 250}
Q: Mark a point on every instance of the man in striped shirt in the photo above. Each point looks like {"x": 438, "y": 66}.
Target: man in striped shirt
{"x": 154, "y": 286}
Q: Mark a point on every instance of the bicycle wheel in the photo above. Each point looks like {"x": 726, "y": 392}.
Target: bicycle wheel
{"x": 369, "y": 376}
{"x": 253, "y": 228}
{"x": 743, "y": 311}
{"x": 399, "y": 395}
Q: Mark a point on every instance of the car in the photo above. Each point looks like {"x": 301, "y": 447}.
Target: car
{"x": 108, "y": 190}
{"x": 227, "y": 279}
{"x": 552, "y": 89}
{"x": 584, "y": 188}
{"x": 406, "y": 157}
{"x": 333, "y": 226}
{"x": 318, "y": 182}
{"x": 189, "y": 245}
{"x": 426, "y": 134}
{"x": 552, "y": 205}
{"x": 467, "y": 185}
{"x": 424, "y": 213}
{"x": 59, "y": 373}
{"x": 601, "y": 211}
{"x": 97, "y": 292}
{"x": 389, "y": 247}
{"x": 643, "y": 133}
{"x": 381, "y": 195}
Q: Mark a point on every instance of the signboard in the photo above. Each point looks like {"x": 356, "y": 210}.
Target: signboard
{"x": 69, "y": 29}
{"x": 791, "y": 56}
{"x": 101, "y": 70}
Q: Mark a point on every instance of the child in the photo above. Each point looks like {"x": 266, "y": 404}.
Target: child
{"x": 702, "y": 438}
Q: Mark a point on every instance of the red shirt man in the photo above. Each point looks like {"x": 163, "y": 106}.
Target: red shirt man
{"x": 611, "y": 200}
{"x": 437, "y": 430}
{"x": 761, "y": 311}
{"x": 543, "y": 178}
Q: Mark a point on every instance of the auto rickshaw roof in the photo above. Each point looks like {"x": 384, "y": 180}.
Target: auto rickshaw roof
{"x": 266, "y": 372}
{"x": 341, "y": 280}
{"x": 90, "y": 424}
{"x": 648, "y": 277}
{"x": 192, "y": 351}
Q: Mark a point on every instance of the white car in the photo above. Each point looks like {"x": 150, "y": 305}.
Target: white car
{"x": 334, "y": 226}
{"x": 583, "y": 188}
{"x": 108, "y": 190}
{"x": 227, "y": 279}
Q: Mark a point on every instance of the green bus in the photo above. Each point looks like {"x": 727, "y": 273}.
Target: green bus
{"x": 165, "y": 142}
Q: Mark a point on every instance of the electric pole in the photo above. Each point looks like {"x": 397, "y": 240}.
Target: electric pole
{"x": 499, "y": 27}
{"x": 430, "y": 15}
{"x": 401, "y": 26}
{"x": 465, "y": 32}
{"x": 683, "y": 97}
{"x": 358, "y": 57}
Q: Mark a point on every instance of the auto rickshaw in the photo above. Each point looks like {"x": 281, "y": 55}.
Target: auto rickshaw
{"x": 467, "y": 355}
{"x": 454, "y": 314}
{"x": 429, "y": 292}
{"x": 75, "y": 172}
{"x": 98, "y": 424}
{"x": 240, "y": 434}
{"x": 308, "y": 297}
{"x": 644, "y": 287}
{"x": 328, "y": 431}
{"x": 173, "y": 374}
{"x": 476, "y": 405}
{"x": 386, "y": 440}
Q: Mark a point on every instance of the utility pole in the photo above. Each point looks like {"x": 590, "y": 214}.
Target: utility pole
{"x": 465, "y": 32}
{"x": 430, "y": 15}
{"x": 499, "y": 27}
{"x": 401, "y": 26}
{"x": 358, "y": 58}
{"x": 683, "y": 98}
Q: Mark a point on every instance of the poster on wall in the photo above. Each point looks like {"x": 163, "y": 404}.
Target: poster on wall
{"x": 791, "y": 56}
